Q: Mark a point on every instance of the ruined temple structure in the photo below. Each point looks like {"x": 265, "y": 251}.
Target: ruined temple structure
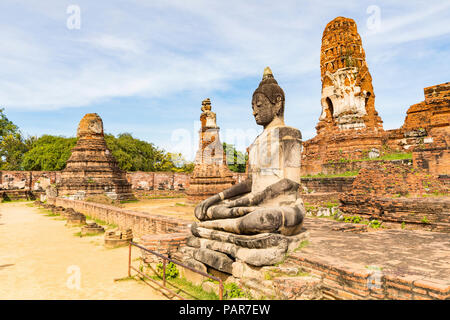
{"x": 91, "y": 169}
{"x": 211, "y": 174}
{"x": 426, "y": 131}
{"x": 349, "y": 125}
{"x": 348, "y": 100}
{"x": 432, "y": 114}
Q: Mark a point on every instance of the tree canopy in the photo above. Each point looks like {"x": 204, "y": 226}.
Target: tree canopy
{"x": 137, "y": 155}
{"x": 50, "y": 153}
{"x": 236, "y": 160}
{"x": 12, "y": 144}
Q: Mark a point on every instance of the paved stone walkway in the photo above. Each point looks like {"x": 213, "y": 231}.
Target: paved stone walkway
{"x": 397, "y": 252}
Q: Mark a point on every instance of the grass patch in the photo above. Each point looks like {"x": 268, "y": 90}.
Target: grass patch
{"x": 128, "y": 201}
{"x": 17, "y": 200}
{"x": 435, "y": 194}
{"x": 332, "y": 204}
{"x": 44, "y": 211}
{"x": 180, "y": 204}
{"x": 302, "y": 244}
{"x": 337, "y": 175}
{"x": 163, "y": 197}
{"x": 51, "y": 214}
{"x": 89, "y": 234}
{"x": 389, "y": 157}
{"x": 425, "y": 220}
{"x": 101, "y": 222}
{"x": 125, "y": 279}
{"x": 187, "y": 289}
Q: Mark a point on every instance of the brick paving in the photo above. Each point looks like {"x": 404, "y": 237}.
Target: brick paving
{"x": 413, "y": 258}
{"x": 399, "y": 252}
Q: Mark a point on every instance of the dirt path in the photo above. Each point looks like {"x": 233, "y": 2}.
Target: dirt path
{"x": 40, "y": 258}
{"x": 176, "y": 208}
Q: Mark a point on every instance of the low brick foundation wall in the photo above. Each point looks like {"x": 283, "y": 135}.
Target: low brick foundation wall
{"x": 431, "y": 214}
{"x": 320, "y": 199}
{"x": 341, "y": 167}
{"x": 141, "y": 194}
{"x": 166, "y": 244}
{"x": 344, "y": 282}
{"x": 8, "y": 195}
{"x": 140, "y": 223}
{"x": 338, "y": 184}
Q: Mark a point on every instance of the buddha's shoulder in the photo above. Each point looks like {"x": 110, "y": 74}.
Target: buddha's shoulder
{"x": 286, "y": 132}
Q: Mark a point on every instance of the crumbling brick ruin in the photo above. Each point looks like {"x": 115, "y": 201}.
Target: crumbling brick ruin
{"x": 396, "y": 193}
{"x": 425, "y": 122}
{"x": 211, "y": 174}
{"x": 349, "y": 127}
{"x": 91, "y": 169}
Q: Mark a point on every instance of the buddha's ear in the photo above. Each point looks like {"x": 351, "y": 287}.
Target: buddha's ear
{"x": 278, "y": 105}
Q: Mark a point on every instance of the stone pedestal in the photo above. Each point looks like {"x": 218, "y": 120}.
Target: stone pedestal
{"x": 75, "y": 219}
{"x": 220, "y": 250}
{"x": 92, "y": 228}
{"x": 118, "y": 238}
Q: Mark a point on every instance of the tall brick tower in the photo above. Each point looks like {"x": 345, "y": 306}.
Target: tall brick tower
{"x": 211, "y": 174}
{"x": 349, "y": 126}
{"x": 348, "y": 99}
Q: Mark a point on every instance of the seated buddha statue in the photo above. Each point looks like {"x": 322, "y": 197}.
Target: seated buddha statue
{"x": 268, "y": 201}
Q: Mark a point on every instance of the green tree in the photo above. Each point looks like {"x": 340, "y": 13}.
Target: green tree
{"x": 236, "y": 160}
{"x": 48, "y": 153}
{"x": 12, "y": 144}
{"x": 133, "y": 154}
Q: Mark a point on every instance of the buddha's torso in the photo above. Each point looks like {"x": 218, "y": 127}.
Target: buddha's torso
{"x": 275, "y": 155}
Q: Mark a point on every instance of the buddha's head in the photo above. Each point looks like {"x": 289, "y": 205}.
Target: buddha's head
{"x": 268, "y": 100}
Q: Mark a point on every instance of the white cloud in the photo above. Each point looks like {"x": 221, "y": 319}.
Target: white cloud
{"x": 161, "y": 49}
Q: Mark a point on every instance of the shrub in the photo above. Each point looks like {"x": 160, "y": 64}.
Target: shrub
{"x": 232, "y": 290}
{"x": 375, "y": 224}
{"x": 171, "y": 270}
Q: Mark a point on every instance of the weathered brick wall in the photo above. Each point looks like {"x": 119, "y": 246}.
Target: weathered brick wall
{"x": 140, "y": 223}
{"x": 344, "y": 282}
{"x": 434, "y": 158}
{"x": 158, "y": 180}
{"x": 338, "y": 184}
{"x": 29, "y": 180}
{"x": 166, "y": 244}
{"x": 432, "y": 214}
{"x": 399, "y": 193}
{"x": 341, "y": 167}
{"x": 10, "y": 195}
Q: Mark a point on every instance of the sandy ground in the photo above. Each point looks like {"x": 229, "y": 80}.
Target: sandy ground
{"x": 177, "y": 207}
{"x": 40, "y": 258}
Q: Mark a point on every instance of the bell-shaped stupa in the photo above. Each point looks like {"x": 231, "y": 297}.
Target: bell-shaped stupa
{"x": 92, "y": 169}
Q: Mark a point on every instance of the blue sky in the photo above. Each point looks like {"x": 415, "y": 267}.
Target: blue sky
{"x": 145, "y": 66}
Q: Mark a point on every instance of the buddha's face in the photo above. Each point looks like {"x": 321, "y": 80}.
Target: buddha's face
{"x": 263, "y": 110}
